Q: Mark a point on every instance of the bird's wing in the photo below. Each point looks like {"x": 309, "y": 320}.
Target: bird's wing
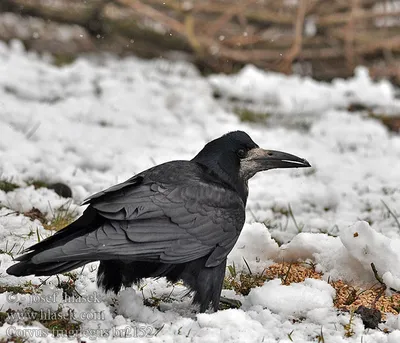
{"x": 135, "y": 180}
{"x": 170, "y": 215}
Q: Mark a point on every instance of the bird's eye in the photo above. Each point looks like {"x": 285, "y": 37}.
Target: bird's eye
{"x": 241, "y": 153}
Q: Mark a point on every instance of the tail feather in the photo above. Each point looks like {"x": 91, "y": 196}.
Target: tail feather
{"x": 44, "y": 269}
{"x": 89, "y": 221}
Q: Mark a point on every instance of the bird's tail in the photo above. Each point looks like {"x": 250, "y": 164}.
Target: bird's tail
{"x": 25, "y": 268}
{"x": 89, "y": 221}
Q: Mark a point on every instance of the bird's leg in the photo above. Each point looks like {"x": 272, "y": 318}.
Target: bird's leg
{"x": 219, "y": 282}
{"x": 208, "y": 287}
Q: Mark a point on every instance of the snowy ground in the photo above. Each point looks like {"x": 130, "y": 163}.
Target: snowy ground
{"x": 94, "y": 123}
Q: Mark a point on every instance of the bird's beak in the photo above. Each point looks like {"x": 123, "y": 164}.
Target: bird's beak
{"x": 271, "y": 159}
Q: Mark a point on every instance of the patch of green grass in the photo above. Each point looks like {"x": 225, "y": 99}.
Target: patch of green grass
{"x": 61, "y": 60}
{"x": 14, "y": 339}
{"x": 246, "y": 115}
{"x": 320, "y": 337}
{"x": 7, "y": 185}
{"x": 232, "y": 270}
{"x": 3, "y": 317}
{"x": 38, "y": 184}
{"x": 348, "y": 328}
{"x": 280, "y": 210}
{"x": 242, "y": 283}
{"x": 290, "y": 335}
{"x": 19, "y": 289}
{"x": 155, "y": 301}
{"x": 61, "y": 217}
{"x": 10, "y": 251}
{"x": 226, "y": 303}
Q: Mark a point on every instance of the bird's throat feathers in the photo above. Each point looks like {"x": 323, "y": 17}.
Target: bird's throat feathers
{"x": 225, "y": 167}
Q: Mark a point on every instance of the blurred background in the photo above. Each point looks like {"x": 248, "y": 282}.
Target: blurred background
{"x": 322, "y": 39}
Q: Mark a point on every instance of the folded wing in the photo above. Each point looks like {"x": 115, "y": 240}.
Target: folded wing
{"x": 172, "y": 215}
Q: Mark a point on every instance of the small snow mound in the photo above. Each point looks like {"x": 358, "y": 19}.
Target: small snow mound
{"x": 296, "y": 299}
{"x": 305, "y": 245}
{"x": 131, "y": 306}
{"x": 368, "y": 246}
{"x": 391, "y": 281}
{"x": 255, "y": 246}
{"x": 233, "y": 325}
{"x": 225, "y": 318}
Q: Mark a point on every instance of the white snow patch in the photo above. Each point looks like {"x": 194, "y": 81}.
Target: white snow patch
{"x": 296, "y": 299}
{"x": 254, "y": 246}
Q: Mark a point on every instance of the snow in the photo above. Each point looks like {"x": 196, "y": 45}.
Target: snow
{"x": 255, "y": 246}
{"x": 99, "y": 121}
{"x": 308, "y": 295}
{"x": 288, "y": 95}
{"x": 365, "y": 245}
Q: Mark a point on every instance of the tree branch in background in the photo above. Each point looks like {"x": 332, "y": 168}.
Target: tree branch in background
{"x": 217, "y": 35}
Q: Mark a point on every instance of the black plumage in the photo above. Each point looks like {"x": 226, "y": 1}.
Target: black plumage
{"x": 179, "y": 219}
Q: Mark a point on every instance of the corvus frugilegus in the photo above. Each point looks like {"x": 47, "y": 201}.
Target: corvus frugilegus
{"x": 179, "y": 219}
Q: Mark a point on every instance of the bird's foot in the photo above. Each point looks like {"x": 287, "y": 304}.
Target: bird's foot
{"x": 226, "y": 303}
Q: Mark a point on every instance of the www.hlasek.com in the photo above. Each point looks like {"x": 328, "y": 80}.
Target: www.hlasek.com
{"x": 55, "y": 298}
{"x": 129, "y": 331}
{"x": 49, "y": 315}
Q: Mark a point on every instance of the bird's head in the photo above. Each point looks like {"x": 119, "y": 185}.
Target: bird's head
{"x": 236, "y": 158}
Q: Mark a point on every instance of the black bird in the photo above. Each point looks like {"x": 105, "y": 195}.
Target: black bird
{"x": 179, "y": 219}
